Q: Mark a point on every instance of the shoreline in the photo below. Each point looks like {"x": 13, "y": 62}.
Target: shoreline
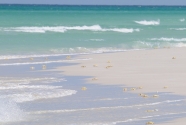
{"x": 147, "y": 71}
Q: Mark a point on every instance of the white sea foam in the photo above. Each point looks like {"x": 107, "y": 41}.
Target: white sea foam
{"x": 27, "y": 80}
{"x": 84, "y": 50}
{"x": 18, "y": 87}
{"x": 151, "y": 22}
{"x": 62, "y": 29}
{"x": 39, "y": 94}
{"x": 178, "y": 28}
{"x": 22, "y": 90}
{"x": 22, "y": 93}
{"x": 180, "y": 45}
{"x": 167, "y": 43}
{"x": 44, "y": 62}
{"x": 182, "y": 20}
{"x": 64, "y": 52}
{"x": 10, "y": 111}
{"x": 169, "y": 39}
{"x": 97, "y": 40}
{"x": 2, "y": 57}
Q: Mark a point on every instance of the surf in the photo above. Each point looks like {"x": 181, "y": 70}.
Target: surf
{"x": 62, "y": 29}
{"x": 150, "y": 22}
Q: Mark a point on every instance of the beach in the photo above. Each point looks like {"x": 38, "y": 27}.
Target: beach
{"x": 144, "y": 71}
{"x": 92, "y": 65}
{"x": 161, "y": 70}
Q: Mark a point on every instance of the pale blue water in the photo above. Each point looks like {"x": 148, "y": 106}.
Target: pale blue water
{"x": 48, "y": 33}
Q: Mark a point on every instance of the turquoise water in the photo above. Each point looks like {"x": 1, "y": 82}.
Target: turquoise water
{"x": 38, "y": 37}
{"x": 41, "y": 29}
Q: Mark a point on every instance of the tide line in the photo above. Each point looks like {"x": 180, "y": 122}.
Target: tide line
{"x": 103, "y": 108}
{"x": 45, "y": 62}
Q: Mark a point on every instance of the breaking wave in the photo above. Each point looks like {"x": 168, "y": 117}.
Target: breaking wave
{"x": 178, "y": 28}
{"x": 97, "y": 40}
{"x": 27, "y": 80}
{"x": 84, "y": 50}
{"x": 22, "y": 89}
{"x": 169, "y": 39}
{"x": 159, "y": 44}
{"x": 64, "y": 52}
{"x": 182, "y": 20}
{"x": 135, "y": 45}
{"x": 39, "y": 93}
{"x": 62, "y": 29}
{"x": 10, "y": 111}
{"x": 151, "y": 22}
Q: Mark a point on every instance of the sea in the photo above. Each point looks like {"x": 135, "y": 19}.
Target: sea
{"x": 35, "y": 39}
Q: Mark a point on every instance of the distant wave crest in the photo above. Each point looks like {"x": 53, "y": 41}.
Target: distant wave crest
{"x": 182, "y": 20}
{"x": 151, "y": 22}
{"x": 169, "y": 39}
{"x": 178, "y": 28}
{"x": 62, "y": 29}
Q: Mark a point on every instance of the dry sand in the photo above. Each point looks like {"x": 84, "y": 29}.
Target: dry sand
{"x": 181, "y": 121}
{"x": 162, "y": 70}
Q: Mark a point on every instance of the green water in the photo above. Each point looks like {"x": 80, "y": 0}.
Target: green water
{"x": 45, "y": 29}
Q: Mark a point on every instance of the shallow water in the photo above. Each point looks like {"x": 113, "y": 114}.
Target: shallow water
{"x": 37, "y": 96}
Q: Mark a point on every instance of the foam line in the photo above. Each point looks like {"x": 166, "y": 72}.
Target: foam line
{"x": 116, "y": 107}
{"x": 178, "y": 28}
{"x": 62, "y": 29}
{"x": 182, "y": 20}
{"x": 169, "y": 39}
{"x": 45, "y": 62}
{"x": 151, "y": 22}
{"x": 39, "y": 94}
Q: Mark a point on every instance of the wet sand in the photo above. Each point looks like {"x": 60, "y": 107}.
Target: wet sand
{"x": 158, "y": 70}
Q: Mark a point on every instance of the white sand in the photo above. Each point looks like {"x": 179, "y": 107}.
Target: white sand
{"x": 181, "y": 121}
{"x": 151, "y": 69}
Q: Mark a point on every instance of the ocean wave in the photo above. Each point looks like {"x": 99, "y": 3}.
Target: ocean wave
{"x": 135, "y": 45}
{"x": 22, "y": 90}
{"x": 151, "y": 22}
{"x": 38, "y": 94}
{"x": 84, "y": 50}
{"x": 62, "y": 29}
{"x": 13, "y": 80}
{"x": 9, "y": 87}
{"x": 2, "y": 57}
{"x": 165, "y": 44}
{"x": 178, "y": 28}
{"x": 169, "y": 39}
{"x": 65, "y": 52}
{"x": 97, "y": 40}
{"x": 10, "y": 111}
{"x": 182, "y": 20}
